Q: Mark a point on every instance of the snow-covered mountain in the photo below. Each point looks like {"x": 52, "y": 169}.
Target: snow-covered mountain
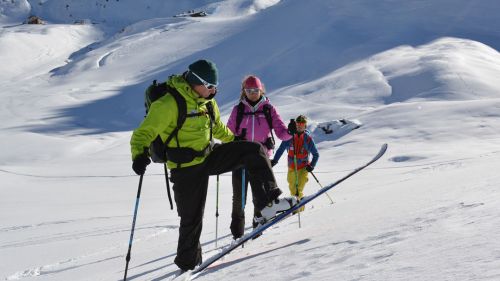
{"x": 419, "y": 75}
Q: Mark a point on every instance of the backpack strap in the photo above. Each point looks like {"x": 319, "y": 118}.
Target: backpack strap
{"x": 266, "y": 109}
{"x": 269, "y": 118}
{"x": 181, "y": 117}
{"x": 267, "y": 112}
{"x": 239, "y": 115}
{"x": 211, "y": 115}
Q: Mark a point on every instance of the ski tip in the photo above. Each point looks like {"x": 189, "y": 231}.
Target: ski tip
{"x": 382, "y": 151}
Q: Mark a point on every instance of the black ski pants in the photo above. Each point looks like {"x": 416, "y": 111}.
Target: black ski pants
{"x": 190, "y": 191}
{"x": 240, "y": 192}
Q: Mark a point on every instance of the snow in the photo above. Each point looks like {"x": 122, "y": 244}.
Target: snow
{"x": 419, "y": 75}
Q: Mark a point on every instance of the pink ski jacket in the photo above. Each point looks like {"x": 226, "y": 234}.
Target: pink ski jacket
{"x": 256, "y": 125}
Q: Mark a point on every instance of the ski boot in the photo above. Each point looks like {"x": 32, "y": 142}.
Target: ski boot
{"x": 277, "y": 206}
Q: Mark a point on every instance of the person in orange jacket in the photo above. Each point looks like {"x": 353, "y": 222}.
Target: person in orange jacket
{"x": 299, "y": 148}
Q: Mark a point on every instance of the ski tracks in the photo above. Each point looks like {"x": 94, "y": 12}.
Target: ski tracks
{"x": 22, "y": 238}
{"x": 419, "y": 239}
{"x": 58, "y": 267}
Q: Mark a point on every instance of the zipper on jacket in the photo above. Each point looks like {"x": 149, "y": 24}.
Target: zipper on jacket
{"x": 253, "y": 123}
{"x": 254, "y": 109}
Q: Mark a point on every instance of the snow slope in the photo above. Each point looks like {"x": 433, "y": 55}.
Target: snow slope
{"x": 419, "y": 75}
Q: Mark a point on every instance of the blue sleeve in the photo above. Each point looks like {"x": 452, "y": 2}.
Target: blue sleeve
{"x": 281, "y": 149}
{"x": 311, "y": 147}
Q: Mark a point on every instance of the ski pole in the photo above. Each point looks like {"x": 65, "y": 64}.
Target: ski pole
{"x": 243, "y": 194}
{"x": 168, "y": 186}
{"x": 133, "y": 226}
{"x": 217, "y": 213}
{"x": 243, "y": 181}
{"x": 321, "y": 186}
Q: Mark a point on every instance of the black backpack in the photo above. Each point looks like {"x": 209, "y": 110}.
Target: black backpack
{"x": 158, "y": 148}
{"x": 266, "y": 109}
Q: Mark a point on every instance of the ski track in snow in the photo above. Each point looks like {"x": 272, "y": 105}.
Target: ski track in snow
{"x": 235, "y": 258}
{"x": 73, "y": 235}
{"x": 102, "y": 60}
{"x": 57, "y": 267}
{"x": 101, "y": 255}
{"x": 379, "y": 248}
{"x": 76, "y": 235}
{"x": 58, "y": 236}
{"x": 373, "y": 249}
{"x": 50, "y": 223}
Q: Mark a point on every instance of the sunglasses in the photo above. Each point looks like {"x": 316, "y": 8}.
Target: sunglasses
{"x": 252, "y": 91}
{"x": 301, "y": 123}
{"x": 205, "y": 83}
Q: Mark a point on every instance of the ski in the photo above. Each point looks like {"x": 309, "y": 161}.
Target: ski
{"x": 226, "y": 250}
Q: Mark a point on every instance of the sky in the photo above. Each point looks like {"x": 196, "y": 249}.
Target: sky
{"x": 421, "y": 76}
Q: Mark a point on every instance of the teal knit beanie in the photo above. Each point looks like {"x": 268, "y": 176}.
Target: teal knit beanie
{"x": 204, "y": 69}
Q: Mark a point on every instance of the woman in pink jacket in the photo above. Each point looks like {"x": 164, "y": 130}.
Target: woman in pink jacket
{"x": 252, "y": 119}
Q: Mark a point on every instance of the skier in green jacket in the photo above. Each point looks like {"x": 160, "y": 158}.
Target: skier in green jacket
{"x": 192, "y": 157}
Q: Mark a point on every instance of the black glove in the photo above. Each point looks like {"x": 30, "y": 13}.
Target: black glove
{"x": 274, "y": 162}
{"x": 238, "y": 138}
{"x": 292, "y": 127}
{"x": 309, "y": 168}
{"x": 140, "y": 163}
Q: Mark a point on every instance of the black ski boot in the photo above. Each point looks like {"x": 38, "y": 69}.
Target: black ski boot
{"x": 237, "y": 227}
